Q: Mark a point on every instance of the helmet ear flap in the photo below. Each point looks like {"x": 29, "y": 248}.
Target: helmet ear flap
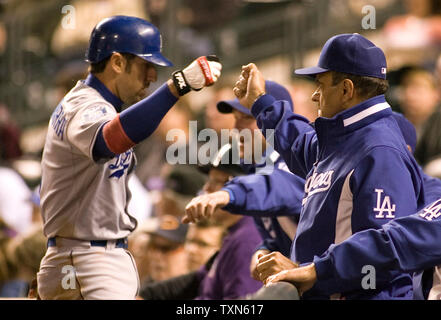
{"x": 126, "y": 34}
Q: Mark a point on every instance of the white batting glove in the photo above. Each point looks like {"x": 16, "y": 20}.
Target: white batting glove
{"x": 202, "y": 72}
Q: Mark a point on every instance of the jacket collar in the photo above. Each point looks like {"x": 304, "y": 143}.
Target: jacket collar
{"x": 95, "y": 83}
{"x": 354, "y": 118}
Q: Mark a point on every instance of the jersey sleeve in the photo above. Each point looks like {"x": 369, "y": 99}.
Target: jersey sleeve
{"x": 385, "y": 186}
{"x": 84, "y": 126}
{"x": 406, "y": 244}
{"x": 277, "y": 194}
{"x": 291, "y": 134}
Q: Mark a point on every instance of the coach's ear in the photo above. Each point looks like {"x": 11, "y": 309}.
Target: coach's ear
{"x": 348, "y": 90}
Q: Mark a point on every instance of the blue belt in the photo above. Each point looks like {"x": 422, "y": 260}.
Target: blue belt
{"x": 120, "y": 243}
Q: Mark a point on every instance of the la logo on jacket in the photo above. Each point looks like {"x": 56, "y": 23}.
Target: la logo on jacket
{"x": 384, "y": 205}
{"x": 432, "y": 212}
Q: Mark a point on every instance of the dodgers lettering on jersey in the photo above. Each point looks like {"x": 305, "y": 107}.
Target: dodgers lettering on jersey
{"x": 431, "y": 212}
{"x": 317, "y": 182}
{"x": 120, "y": 164}
{"x": 81, "y": 198}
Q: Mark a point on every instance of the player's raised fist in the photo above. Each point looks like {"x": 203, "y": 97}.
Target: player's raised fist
{"x": 249, "y": 86}
{"x": 202, "y": 72}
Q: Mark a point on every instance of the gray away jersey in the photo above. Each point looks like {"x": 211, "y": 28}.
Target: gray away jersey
{"x": 81, "y": 198}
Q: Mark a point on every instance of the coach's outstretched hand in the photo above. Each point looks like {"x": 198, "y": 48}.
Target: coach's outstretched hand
{"x": 202, "y": 72}
{"x": 250, "y": 86}
{"x": 302, "y": 277}
{"x": 204, "y": 206}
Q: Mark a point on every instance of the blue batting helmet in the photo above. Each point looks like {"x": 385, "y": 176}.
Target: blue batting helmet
{"x": 126, "y": 35}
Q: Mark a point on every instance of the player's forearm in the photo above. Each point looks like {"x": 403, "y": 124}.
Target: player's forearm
{"x": 140, "y": 120}
{"x": 134, "y": 124}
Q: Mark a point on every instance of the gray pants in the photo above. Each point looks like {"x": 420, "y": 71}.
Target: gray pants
{"x": 74, "y": 270}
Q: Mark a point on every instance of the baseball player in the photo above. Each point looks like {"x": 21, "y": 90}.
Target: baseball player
{"x": 88, "y": 157}
{"x": 272, "y": 199}
{"x": 360, "y": 173}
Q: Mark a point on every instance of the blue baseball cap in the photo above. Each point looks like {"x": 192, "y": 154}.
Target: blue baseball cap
{"x": 407, "y": 130}
{"x": 273, "y": 88}
{"x": 349, "y": 53}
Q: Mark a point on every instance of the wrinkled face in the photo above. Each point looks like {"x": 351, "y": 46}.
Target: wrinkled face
{"x": 249, "y": 134}
{"x": 201, "y": 243}
{"x": 327, "y": 96}
{"x": 135, "y": 79}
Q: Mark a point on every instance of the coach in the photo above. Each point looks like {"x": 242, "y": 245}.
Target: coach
{"x": 359, "y": 173}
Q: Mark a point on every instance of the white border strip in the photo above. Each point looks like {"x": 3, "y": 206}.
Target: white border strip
{"x": 361, "y": 115}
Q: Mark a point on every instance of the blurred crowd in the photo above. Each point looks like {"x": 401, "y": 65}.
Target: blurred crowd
{"x": 162, "y": 246}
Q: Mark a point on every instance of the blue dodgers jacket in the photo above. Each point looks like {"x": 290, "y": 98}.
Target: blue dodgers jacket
{"x": 409, "y": 244}
{"x": 272, "y": 198}
{"x": 360, "y": 175}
